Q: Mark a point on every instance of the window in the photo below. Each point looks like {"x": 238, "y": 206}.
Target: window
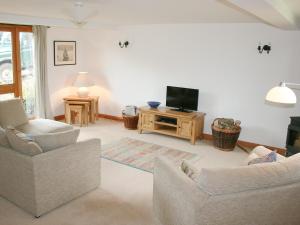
{"x": 16, "y": 64}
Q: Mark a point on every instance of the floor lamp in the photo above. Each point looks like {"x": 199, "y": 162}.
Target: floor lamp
{"x": 285, "y": 95}
{"x": 282, "y": 94}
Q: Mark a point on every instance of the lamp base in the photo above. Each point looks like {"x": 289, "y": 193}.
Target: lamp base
{"x": 83, "y": 92}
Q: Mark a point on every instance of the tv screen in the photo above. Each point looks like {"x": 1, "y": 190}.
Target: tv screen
{"x": 182, "y": 98}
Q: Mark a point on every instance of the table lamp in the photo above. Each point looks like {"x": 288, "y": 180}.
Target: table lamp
{"x": 83, "y": 82}
{"x": 282, "y": 94}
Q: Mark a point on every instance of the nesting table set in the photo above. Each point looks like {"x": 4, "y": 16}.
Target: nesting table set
{"x": 86, "y": 109}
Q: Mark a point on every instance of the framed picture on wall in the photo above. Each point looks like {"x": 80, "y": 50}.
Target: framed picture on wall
{"x": 64, "y": 53}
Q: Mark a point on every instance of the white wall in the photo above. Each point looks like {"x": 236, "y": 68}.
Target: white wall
{"x": 61, "y": 77}
{"x": 221, "y": 60}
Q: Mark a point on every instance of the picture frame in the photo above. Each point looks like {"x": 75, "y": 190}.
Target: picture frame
{"x": 64, "y": 53}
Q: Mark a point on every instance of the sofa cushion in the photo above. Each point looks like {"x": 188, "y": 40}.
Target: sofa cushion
{"x": 232, "y": 180}
{"x": 43, "y": 126}
{"x": 12, "y": 113}
{"x": 270, "y": 157}
{"x": 261, "y": 151}
{"x": 3, "y": 138}
{"x": 22, "y": 143}
{"x": 56, "y": 140}
{"x": 191, "y": 171}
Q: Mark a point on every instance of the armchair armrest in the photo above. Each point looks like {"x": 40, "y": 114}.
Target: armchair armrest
{"x": 177, "y": 199}
{"x": 65, "y": 173}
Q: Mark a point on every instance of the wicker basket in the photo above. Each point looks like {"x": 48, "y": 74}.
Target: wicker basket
{"x": 131, "y": 122}
{"x": 224, "y": 139}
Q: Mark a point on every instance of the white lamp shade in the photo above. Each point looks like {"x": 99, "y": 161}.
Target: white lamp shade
{"x": 82, "y": 80}
{"x": 281, "y": 94}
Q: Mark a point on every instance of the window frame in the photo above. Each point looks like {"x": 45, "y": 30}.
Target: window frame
{"x": 16, "y": 86}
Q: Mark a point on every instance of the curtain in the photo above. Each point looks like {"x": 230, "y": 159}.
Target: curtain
{"x": 43, "y": 108}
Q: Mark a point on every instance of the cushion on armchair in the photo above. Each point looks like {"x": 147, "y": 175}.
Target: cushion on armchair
{"x": 20, "y": 142}
{"x": 56, "y": 140}
{"x": 3, "y": 138}
{"x": 12, "y": 113}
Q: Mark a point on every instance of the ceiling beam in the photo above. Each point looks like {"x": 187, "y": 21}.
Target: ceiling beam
{"x": 273, "y": 12}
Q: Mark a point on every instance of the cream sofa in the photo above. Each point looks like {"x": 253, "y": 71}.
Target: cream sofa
{"x": 262, "y": 194}
{"x": 45, "y": 181}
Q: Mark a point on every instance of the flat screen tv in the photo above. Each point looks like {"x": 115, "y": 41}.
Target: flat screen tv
{"x": 182, "y": 99}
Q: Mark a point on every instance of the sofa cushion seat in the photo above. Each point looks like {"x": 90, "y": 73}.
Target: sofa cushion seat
{"x": 43, "y": 126}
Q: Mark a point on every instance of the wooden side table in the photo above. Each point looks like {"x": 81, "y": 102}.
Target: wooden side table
{"x": 92, "y": 101}
{"x": 81, "y": 107}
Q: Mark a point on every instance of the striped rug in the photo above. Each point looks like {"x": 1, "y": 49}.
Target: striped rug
{"x": 141, "y": 155}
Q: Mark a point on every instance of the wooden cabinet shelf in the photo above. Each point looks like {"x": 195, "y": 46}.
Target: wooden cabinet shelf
{"x": 167, "y": 132}
{"x": 165, "y": 124}
{"x": 173, "y": 123}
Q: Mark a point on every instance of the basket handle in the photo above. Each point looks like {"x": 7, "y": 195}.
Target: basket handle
{"x": 214, "y": 121}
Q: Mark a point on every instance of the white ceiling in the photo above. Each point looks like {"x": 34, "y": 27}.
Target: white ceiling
{"x": 132, "y": 12}
{"x": 280, "y": 13}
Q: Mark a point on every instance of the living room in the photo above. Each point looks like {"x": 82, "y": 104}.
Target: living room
{"x": 211, "y": 46}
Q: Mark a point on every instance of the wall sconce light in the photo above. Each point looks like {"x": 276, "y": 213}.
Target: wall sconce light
{"x": 266, "y": 48}
{"x": 124, "y": 44}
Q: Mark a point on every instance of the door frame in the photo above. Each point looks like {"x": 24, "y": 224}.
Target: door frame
{"x": 16, "y": 87}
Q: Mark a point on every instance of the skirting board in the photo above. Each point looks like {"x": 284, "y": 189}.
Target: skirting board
{"x": 249, "y": 145}
{"x": 105, "y": 116}
{"x": 110, "y": 117}
{"x": 242, "y": 144}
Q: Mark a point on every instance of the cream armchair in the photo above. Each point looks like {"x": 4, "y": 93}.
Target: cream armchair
{"x": 262, "y": 194}
{"x": 45, "y": 181}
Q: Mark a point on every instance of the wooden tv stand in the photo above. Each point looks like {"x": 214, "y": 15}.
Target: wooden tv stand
{"x": 173, "y": 123}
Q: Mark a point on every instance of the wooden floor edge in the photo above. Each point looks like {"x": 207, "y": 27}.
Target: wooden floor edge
{"x": 208, "y": 137}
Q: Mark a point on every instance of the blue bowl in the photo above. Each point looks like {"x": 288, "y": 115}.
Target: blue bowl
{"x": 153, "y": 104}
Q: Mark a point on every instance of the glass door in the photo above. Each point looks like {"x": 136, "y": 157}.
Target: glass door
{"x": 8, "y": 78}
{"x": 16, "y": 65}
{"x": 27, "y": 72}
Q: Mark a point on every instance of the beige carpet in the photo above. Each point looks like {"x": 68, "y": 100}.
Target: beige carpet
{"x": 97, "y": 207}
{"x": 125, "y": 196}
